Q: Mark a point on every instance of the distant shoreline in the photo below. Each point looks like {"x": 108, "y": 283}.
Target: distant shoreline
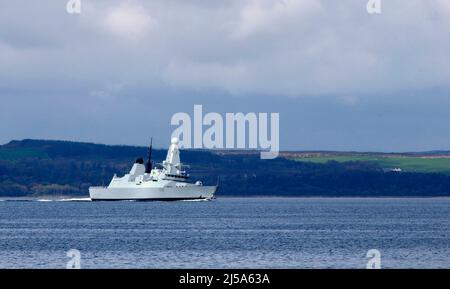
{"x": 86, "y": 198}
{"x": 55, "y": 170}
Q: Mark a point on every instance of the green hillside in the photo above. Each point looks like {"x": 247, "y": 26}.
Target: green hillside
{"x": 20, "y": 153}
{"x": 62, "y": 168}
{"x": 406, "y": 163}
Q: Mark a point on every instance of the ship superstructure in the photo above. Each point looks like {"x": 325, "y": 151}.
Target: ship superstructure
{"x": 167, "y": 182}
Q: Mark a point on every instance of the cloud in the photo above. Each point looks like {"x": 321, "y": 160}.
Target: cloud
{"x": 118, "y": 57}
{"x": 205, "y": 75}
{"x": 108, "y": 91}
{"x": 442, "y": 6}
{"x": 303, "y": 48}
{"x": 130, "y": 21}
{"x": 283, "y": 48}
{"x": 266, "y": 16}
{"x": 348, "y": 99}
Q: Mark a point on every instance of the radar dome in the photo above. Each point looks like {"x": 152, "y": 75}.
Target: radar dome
{"x": 174, "y": 140}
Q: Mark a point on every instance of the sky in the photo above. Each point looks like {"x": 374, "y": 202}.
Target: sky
{"x": 340, "y": 78}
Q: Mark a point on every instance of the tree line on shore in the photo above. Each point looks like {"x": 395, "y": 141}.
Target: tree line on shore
{"x": 34, "y": 168}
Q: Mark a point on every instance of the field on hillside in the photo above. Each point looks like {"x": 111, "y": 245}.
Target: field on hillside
{"x": 406, "y": 163}
{"x": 61, "y": 168}
{"x": 19, "y": 153}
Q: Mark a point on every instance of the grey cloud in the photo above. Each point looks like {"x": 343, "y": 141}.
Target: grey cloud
{"x": 291, "y": 48}
{"x": 120, "y": 61}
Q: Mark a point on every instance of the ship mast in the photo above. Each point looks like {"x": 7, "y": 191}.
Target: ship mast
{"x": 148, "y": 167}
{"x": 172, "y": 162}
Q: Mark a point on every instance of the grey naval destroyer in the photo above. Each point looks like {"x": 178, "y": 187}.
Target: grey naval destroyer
{"x": 169, "y": 182}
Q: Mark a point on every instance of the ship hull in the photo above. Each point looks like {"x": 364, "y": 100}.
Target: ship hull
{"x": 152, "y": 194}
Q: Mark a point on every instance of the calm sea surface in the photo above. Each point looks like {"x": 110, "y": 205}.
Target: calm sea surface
{"x": 227, "y": 233}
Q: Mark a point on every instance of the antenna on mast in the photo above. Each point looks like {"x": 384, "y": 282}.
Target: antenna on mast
{"x": 148, "y": 167}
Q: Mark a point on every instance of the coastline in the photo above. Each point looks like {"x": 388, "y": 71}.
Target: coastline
{"x": 87, "y": 199}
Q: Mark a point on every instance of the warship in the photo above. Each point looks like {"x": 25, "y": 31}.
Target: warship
{"x": 168, "y": 182}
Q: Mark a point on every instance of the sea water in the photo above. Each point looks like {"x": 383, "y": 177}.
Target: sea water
{"x": 227, "y": 233}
